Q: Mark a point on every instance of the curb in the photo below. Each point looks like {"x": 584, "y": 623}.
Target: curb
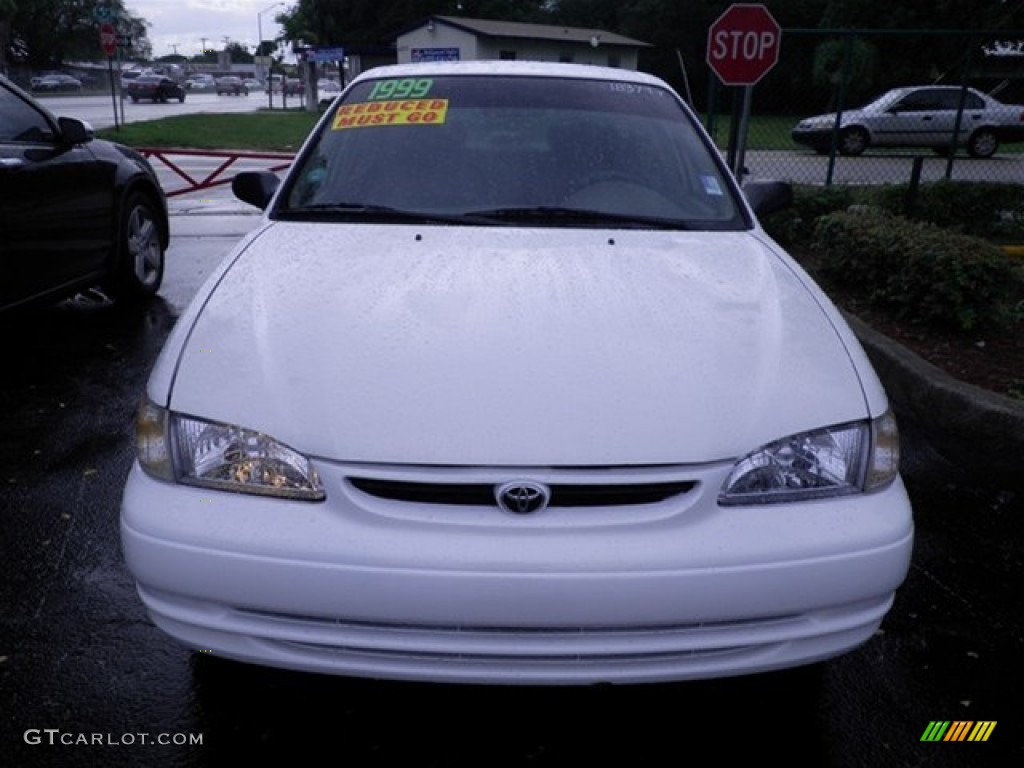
{"x": 969, "y": 430}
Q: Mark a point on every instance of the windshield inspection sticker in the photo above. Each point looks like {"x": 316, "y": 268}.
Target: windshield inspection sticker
{"x": 407, "y": 112}
{"x": 711, "y": 186}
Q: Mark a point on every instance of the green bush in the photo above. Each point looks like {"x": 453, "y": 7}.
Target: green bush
{"x": 985, "y": 209}
{"x": 795, "y": 225}
{"x": 921, "y": 272}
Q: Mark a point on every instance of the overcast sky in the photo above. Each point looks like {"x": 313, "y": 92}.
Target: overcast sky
{"x": 186, "y": 23}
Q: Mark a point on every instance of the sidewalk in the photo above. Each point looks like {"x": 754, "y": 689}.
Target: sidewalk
{"x": 973, "y": 434}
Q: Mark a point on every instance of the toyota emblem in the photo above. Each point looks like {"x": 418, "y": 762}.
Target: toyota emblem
{"x": 522, "y": 497}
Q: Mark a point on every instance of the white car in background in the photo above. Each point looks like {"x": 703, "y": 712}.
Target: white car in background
{"x": 201, "y": 83}
{"x": 510, "y": 386}
{"x": 924, "y": 116}
{"x": 328, "y": 87}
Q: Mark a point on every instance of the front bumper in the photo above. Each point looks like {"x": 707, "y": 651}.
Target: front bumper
{"x": 818, "y": 139}
{"x": 357, "y": 586}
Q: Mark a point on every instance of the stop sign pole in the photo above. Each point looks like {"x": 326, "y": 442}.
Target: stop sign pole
{"x": 743, "y": 45}
{"x": 108, "y": 39}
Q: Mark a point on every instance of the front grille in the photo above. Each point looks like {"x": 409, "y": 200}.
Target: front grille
{"x": 562, "y": 494}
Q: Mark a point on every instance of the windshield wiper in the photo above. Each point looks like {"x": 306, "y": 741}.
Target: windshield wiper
{"x": 376, "y": 213}
{"x": 548, "y": 215}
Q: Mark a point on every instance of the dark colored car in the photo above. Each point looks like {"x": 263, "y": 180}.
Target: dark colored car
{"x": 232, "y": 86}
{"x": 75, "y": 212}
{"x": 53, "y": 83}
{"x": 156, "y": 88}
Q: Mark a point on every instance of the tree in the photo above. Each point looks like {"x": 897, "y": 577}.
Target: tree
{"x": 239, "y": 53}
{"x": 7, "y": 9}
{"x": 376, "y": 22}
{"x": 46, "y": 33}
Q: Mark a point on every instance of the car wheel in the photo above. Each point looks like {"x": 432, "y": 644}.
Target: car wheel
{"x": 140, "y": 259}
{"x": 181, "y": 99}
{"x": 853, "y": 141}
{"x": 983, "y": 143}
{"x": 135, "y": 99}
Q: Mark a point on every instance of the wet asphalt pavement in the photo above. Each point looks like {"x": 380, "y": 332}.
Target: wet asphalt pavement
{"x": 86, "y": 680}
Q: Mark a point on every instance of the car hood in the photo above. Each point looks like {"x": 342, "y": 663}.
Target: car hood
{"x": 829, "y": 119}
{"x": 502, "y": 346}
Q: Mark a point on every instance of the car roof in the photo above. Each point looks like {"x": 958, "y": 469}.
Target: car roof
{"x": 510, "y": 68}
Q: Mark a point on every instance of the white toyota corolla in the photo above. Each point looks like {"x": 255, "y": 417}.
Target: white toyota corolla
{"x": 509, "y": 386}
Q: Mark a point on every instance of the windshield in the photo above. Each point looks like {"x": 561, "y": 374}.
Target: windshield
{"x": 884, "y": 101}
{"x": 503, "y": 150}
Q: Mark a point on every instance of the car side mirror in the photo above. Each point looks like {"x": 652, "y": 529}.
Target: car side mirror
{"x": 75, "y": 131}
{"x": 255, "y": 187}
{"x": 768, "y": 196}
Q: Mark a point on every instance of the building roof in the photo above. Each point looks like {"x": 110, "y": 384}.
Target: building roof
{"x": 514, "y": 29}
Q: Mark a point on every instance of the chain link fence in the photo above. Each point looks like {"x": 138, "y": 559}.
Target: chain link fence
{"x": 807, "y": 126}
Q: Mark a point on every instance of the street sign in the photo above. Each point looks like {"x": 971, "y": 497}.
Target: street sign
{"x": 435, "y": 54}
{"x": 108, "y": 39}
{"x": 743, "y": 44}
{"x": 104, "y": 14}
{"x": 334, "y": 53}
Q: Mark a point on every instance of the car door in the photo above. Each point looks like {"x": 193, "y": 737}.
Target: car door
{"x": 920, "y": 119}
{"x": 973, "y": 114}
{"x": 56, "y": 204}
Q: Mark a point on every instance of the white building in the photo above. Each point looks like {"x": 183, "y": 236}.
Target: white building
{"x": 451, "y": 38}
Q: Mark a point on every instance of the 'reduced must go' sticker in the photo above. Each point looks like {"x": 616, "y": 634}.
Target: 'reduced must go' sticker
{"x": 404, "y": 112}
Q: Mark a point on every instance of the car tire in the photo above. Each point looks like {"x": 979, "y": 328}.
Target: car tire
{"x": 983, "y": 143}
{"x": 140, "y": 257}
{"x": 853, "y": 141}
{"x": 181, "y": 99}
{"x": 135, "y": 99}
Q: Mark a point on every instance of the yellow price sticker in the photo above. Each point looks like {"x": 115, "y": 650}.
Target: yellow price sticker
{"x": 404, "y": 112}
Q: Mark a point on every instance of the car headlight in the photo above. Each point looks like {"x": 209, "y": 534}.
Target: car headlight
{"x": 812, "y": 123}
{"x": 226, "y": 457}
{"x": 835, "y": 461}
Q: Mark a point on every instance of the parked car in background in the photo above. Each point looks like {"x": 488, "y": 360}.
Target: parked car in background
{"x": 292, "y": 86}
{"x": 75, "y": 212}
{"x": 54, "y": 83}
{"x": 533, "y": 399}
{"x": 253, "y": 84}
{"x": 201, "y": 83}
{"x": 232, "y": 86}
{"x": 155, "y": 88}
{"x": 128, "y": 75}
{"x": 329, "y": 88}
{"x": 922, "y": 116}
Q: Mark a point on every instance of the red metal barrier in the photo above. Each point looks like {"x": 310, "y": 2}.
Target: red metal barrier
{"x": 214, "y": 178}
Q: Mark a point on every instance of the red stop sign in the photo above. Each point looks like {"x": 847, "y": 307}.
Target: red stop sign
{"x": 108, "y": 39}
{"x": 743, "y": 44}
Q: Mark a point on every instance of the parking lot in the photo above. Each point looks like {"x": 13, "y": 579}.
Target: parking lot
{"x": 87, "y": 680}
{"x": 79, "y": 656}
